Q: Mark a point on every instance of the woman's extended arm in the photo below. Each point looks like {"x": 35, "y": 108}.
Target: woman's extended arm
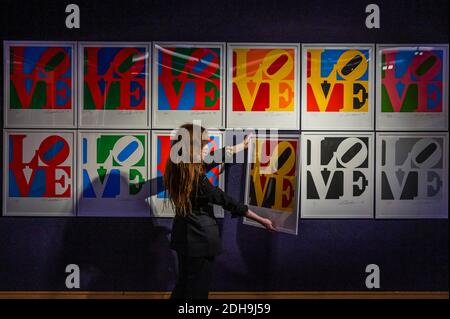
{"x": 217, "y": 196}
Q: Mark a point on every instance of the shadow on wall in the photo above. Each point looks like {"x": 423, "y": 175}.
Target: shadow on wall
{"x": 121, "y": 253}
{"x": 246, "y": 264}
{"x": 255, "y": 245}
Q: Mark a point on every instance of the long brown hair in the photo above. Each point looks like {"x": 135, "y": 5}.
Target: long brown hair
{"x": 182, "y": 177}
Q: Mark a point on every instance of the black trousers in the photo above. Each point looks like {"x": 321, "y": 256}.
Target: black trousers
{"x": 194, "y": 276}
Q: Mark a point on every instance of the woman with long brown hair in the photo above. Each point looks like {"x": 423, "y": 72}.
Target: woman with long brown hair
{"x": 195, "y": 233}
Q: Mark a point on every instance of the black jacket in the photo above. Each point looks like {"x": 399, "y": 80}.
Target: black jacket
{"x": 198, "y": 233}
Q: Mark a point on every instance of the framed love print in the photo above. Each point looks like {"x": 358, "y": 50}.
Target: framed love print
{"x": 272, "y": 186}
{"x": 412, "y": 87}
{"x": 39, "y": 173}
{"x": 114, "y": 85}
{"x": 337, "y": 86}
{"x": 337, "y": 175}
{"x": 113, "y": 173}
{"x": 188, "y": 84}
{"x": 263, "y": 86}
{"x": 40, "y": 84}
{"x": 162, "y": 141}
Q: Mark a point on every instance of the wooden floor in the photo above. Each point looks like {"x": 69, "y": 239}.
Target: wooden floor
{"x": 227, "y": 295}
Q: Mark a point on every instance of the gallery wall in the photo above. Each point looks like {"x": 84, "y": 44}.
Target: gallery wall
{"x": 133, "y": 254}
{"x": 78, "y": 115}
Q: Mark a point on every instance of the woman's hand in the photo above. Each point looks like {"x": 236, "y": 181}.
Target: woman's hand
{"x": 247, "y": 140}
{"x": 268, "y": 224}
{"x": 243, "y": 145}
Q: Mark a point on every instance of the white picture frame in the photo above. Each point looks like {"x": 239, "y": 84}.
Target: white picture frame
{"x": 411, "y": 121}
{"x": 160, "y": 206}
{"x": 111, "y": 119}
{"x": 170, "y": 119}
{"x": 33, "y": 117}
{"x": 39, "y": 205}
{"x": 284, "y": 222}
{"x": 395, "y": 189}
{"x": 283, "y": 120}
{"x": 345, "y": 205}
{"x": 123, "y": 204}
{"x": 334, "y": 120}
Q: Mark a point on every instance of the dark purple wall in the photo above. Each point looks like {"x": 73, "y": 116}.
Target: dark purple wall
{"x": 133, "y": 253}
